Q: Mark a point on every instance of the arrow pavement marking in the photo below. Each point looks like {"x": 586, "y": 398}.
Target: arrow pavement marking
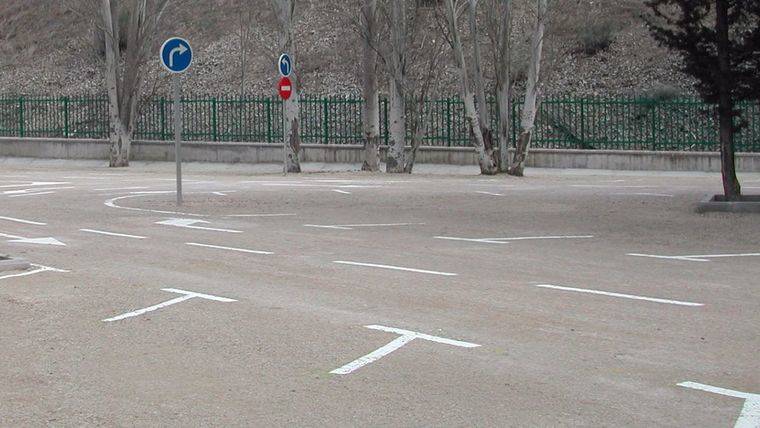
{"x": 750, "y": 415}
{"x": 178, "y": 50}
{"x": 39, "y": 269}
{"x": 186, "y": 295}
{"x": 694, "y": 258}
{"x": 405, "y": 336}
{"x": 39, "y": 241}
{"x": 189, "y": 224}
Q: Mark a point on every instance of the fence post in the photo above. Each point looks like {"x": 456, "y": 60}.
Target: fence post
{"x": 583, "y": 123}
{"x": 21, "y": 117}
{"x": 654, "y": 125}
{"x": 65, "y": 117}
{"x": 269, "y": 119}
{"x": 448, "y": 122}
{"x": 385, "y": 121}
{"x": 214, "y": 130}
{"x": 162, "y": 115}
{"x": 325, "y": 120}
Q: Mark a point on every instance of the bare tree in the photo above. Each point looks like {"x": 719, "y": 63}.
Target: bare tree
{"x": 371, "y": 109}
{"x": 486, "y": 157}
{"x": 499, "y": 28}
{"x": 124, "y": 79}
{"x": 245, "y": 36}
{"x": 285, "y": 11}
{"x": 532, "y": 91}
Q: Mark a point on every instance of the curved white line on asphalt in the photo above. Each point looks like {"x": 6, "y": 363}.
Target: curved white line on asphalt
{"x": 112, "y": 203}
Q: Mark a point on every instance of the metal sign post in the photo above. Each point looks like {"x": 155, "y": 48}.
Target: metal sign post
{"x": 177, "y": 90}
{"x": 285, "y": 89}
{"x": 176, "y": 57}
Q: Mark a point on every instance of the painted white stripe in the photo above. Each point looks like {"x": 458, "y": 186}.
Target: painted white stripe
{"x": 18, "y": 220}
{"x": 506, "y": 240}
{"x": 405, "y": 269}
{"x": 405, "y": 337}
{"x": 695, "y": 258}
{"x": 31, "y": 194}
{"x": 262, "y": 215}
{"x": 490, "y": 193}
{"x": 664, "y": 195}
{"x": 187, "y": 295}
{"x": 122, "y": 188}
{"x": 436, "y": 339}
{"x": 241, "y": 250}
{"x": 35, "y": 190}
{"x": 121, "y": 235}
{"x": 601, "y": 186}
{"x": 351, "y": 226}
{"x": 35, "y": 183}
{"x": 341, "y": 191}
{"x": 112, "y": 203}
{"x": 40, "y": 269}
{"x": 750, "y": 414}
{"x": 624, "y": 296}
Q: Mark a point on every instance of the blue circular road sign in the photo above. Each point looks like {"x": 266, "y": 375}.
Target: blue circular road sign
{"x": 286, "y": 65}
{"x": 176, "y": 55}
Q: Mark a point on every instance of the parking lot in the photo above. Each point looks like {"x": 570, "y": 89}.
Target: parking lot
{"x": 564, "y": 298}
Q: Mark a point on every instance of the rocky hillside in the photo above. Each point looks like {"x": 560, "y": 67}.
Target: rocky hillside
{"x": 595, "y": 47}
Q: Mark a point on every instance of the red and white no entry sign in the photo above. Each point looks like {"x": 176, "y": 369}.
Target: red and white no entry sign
{"x": 285, "y": 87}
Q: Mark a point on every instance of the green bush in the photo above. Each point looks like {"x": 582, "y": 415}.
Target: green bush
{"x": 596, "y": 37}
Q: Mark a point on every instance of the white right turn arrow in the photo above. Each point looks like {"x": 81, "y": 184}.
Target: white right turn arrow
{"x": 37, "y": 241}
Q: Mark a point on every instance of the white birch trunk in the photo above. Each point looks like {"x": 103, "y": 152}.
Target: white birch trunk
{"x": 118, "y": 134}
{"x": 504, "y": 79}
{"x": 396, "y": 161}
{"x": 371, "y": 109}
{"x": 485, "y": 159}
{"x": 291, "y": 110}
{"x": 532, "y": 93}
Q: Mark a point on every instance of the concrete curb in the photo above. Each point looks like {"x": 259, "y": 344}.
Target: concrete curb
{"x": 715, "y": 203}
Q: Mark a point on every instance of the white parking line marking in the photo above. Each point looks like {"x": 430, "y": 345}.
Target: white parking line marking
{"x": 664, "y": 195}
{"x": 242, "y": 250}
{"x": 39, "y": 241}
{"x": 694, "y": 258}
{"x": 750, "y": 415}
{"x": 341, "y": 191}
{"x": 122, "y": 188}
{"x": 351, "y": 226}
{"x": 490, "y": 193}
{"x": 189, "y": 224}
{"x": 31, "y": 194}
{"x": 624, "y": 296}
{"x": 507, "y": 240}
{"x": 35, "y": 184}
{"x": 40, "y": 190}
{"x": 603, "y": 186}
{"x": 406, "y": 336}
{"x": 40, "y": 269}
{"x": 261, "y": 215}
{"x": 121, "y": 235}
{"x": 187, "y": 295}
{"x": 18, "y": 220}
{"x": 405, "y": 269}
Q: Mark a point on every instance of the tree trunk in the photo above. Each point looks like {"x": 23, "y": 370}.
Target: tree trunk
{"x": 118, "y": 135}
{"x": 532, "y": 92}
{"x": 485, "y": 155}
{"x": 285, "y": 10}
{"x": 731, "y": 188}
{"x": 504, "y": 79}
{"x": 396, "y": 161}
{"x": 371, "y": 110}
{"x": 484, "y": 112}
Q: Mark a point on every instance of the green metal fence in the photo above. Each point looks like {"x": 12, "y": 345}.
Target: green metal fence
{"x": 563, "y": 122}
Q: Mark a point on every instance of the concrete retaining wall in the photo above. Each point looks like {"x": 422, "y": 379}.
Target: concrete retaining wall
{"x": 270, "y": 153}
